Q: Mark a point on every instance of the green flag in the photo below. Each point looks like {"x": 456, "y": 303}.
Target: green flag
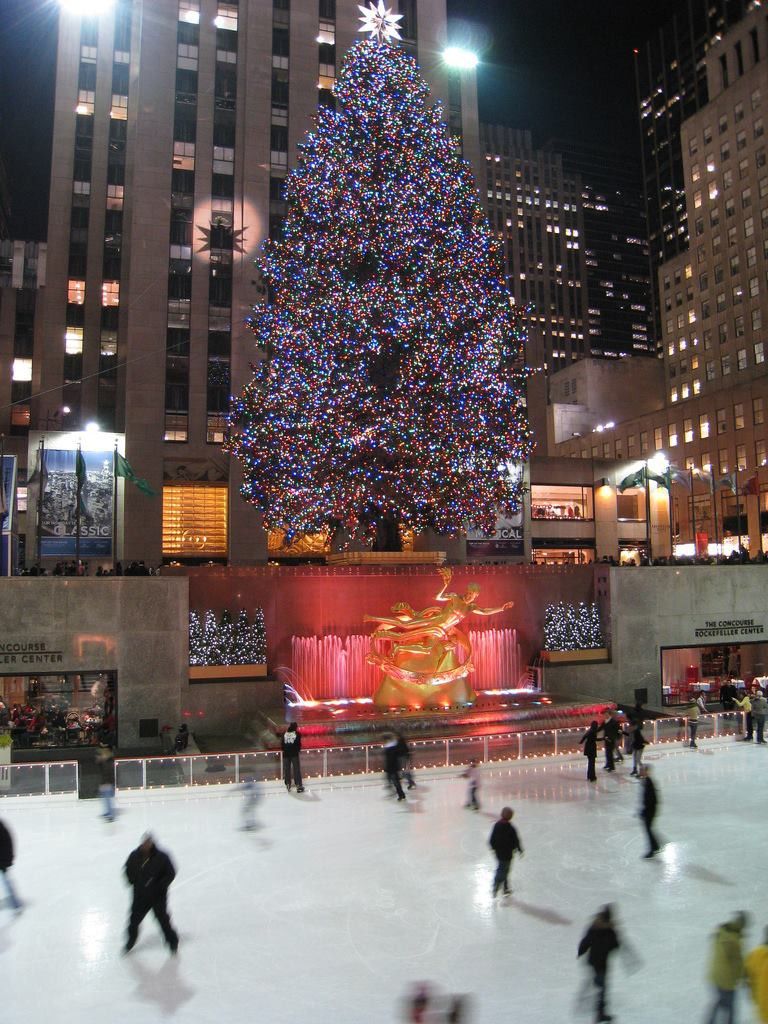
{"x": 661, "y": 479}
{"x": 124, "y": 469}
{"x": 82, "y": 484}
{"x": 636, "y": 479}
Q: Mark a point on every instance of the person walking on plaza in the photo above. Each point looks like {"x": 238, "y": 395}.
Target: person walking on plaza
{"x": 599, "y": 942}
{"x": 472, "y": 775}
{"x": 745, "y": 705}
{"x": 649, "y": 806}
{"x": 589, "y": 739}
{"x": 290, "y": 744}
{"x": 611, "y": 734}
{"x": 639, "y": 744}
{"x": 696, "y": 708}
{"x": 150, "y": 871}
{"x": 404, "y": 753}
{"x": 392, "y": 764}
{"x": 505, "y": 842}
{"x": 6, "y": 860}
{"x": 756, "y": 968}
{"x": 726, "y": 968}
{"x": 759, "y": 711}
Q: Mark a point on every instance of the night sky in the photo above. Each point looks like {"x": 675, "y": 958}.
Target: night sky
{"x": 561, "y": 68}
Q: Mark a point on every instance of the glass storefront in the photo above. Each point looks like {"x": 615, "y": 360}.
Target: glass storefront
{"x": 555, "y": 501}
{"x": 72, "y": 709}
{"x": 562, "y": 556}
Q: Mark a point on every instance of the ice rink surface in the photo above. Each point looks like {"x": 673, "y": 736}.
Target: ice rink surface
{"x": 344, "y": 898}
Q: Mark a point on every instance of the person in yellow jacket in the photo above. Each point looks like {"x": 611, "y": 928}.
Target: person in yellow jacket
{"x": 745, "y": 705}
{"x": 756, "y": 966}
{"x": 726, "y": 967}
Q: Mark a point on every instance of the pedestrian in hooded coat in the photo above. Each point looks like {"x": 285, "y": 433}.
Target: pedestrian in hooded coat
{"x": 150, "y": 871}
{"x": 599, "y": 942}
{"x": 6, "y": 860}
{"x": 648, "y": 809}
{"x": 589, "y": 739}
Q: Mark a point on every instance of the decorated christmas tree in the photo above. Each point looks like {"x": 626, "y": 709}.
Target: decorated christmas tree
{"x": 196, "y": 647}
{"x": 569, "y": 627}
{"x": 389, "y": 388}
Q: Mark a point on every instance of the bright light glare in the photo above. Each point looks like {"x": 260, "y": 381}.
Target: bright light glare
{"x": 92, "y": 427}
{"x": 458, "y": 57}
{"x": 658, "y": 464}
{"x": 87, "y": 8}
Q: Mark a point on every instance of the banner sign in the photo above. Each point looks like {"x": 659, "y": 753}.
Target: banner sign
{"x": 506, "y": 540}
{"x": 8, "y": 494}
{"x": 58, "y": 530}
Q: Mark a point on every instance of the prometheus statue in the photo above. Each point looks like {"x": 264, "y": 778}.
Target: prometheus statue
{"x": 428, "y": 654}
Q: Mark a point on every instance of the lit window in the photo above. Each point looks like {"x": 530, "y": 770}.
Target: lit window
{"x": 741, "y": 456}
{"x": 685, "y": 391}
{"x": 704, "y": 425}
{"x": 673, "y": 395}
{"x": 758, "y": 411}
{"x": 85, "y": 101}
{"x": 227, "y": 17}
{"x": 73, "y": 341}
{"x": 195, "y": 520}
{"x": 706, "y": 462}
{"x": 119, "y": 108}
{"x": 696, "y": 386}
{"x": 759, "y": 353}
{"x": 741, "y": 359}
{"x": 22, "y": 370}
{"x": 688, "y": 430}
{"x": 110, "y": 293}
{"x": 738, "y": 416}
{"x": 76, "y": 292}
{"x": 114, "y": 197}
{"x": 189, "y": 10}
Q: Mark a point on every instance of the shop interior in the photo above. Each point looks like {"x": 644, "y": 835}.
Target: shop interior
{"x": 689, "y": 672}
{"x": 562, "y": 556}
{"x": 72, "y": 709}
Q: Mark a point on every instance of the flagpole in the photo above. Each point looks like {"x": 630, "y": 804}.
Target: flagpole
{"x": 114, "y": 507}
{"x": 671, "y": 513}
{"x": 78, "y": 495}
{"x": 693, "y": 517}
{"x": 738, "y": 506}
{"x": 714, "y": 508}
{"x": 41, "y": 464}
{"x": 649, "y": 543}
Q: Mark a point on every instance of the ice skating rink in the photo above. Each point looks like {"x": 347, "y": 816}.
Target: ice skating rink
{"x": 344, "y": 898}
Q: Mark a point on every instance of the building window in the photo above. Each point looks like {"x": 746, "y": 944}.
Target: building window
{"x": 189, "y": 11}
{"x": 741, "y": 359}
{"x": 195, "y": 521}
{"x": 553, "y": 501}
{"x": 673, "y": 395}
{"x": 704, "y": 425}
{"x": 696, "y": 386}
{"x": 760, "y": 457}
{"x": 73, "y": 341}
{"x": 759, "y": 352}
{"x": 85, "y": 101}
{"x": 720, "y": 419}
{"x": 176, "y": 426}
{"x": 758, "y": 412}
{"x": 741, "y": 456}
{"x": 738, "y": 416}
{"x": 76, "y": 292}
{"x": 672, "y": 434}
{"x": 226, "y": 17}
{"x": 706, "y": 462}
{"x": 723, "y": 460}
{"x": 22, "y": 370}
{"x": 119, "y": 109}
{"x": 658, "y": 438}
{"x": 631, "y": 445}
{"x": 643, "y": 442}
{"x": 110, "y": 293}
{"x": 688, "y": 430}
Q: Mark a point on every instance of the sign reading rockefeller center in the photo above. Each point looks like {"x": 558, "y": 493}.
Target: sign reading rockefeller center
{"x": 28, "y": 653}
{"x": 720, "y": 629}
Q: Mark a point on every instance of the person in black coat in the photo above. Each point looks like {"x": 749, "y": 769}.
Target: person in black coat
{"x": 404, "y": 753}
{"x": 392, "y": 760}
{"x": 648, "y": 809}
{"x": 611, "y": 734}
{"x": 150, "y": 871}
{"x": 290, "y": 744}
{"x": 589, "y": 739}
{"x": 504, "y": 841}
{"x": 599, "y": 941}
{"x": 6, "y": 860}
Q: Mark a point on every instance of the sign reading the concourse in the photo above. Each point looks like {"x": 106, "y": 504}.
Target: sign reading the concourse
{"x": 730, "y": 629}
{"x": 28, "y": 653}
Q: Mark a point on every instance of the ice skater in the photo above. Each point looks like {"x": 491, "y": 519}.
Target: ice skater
{"x": 599, "y": 942}
{"x": 392, "y": 765}
{"x": 505, "y": 842}
{"x": 150, "y": 871}
{"x": 290, "y": 744}
{"x": 472, "y": 775}
{"x": 611, "y": 734}
{"x": 250, "y": 792}
{"x": 639, "y": 743}
{"x": 726, "y": 967}
{"x": 696, "y": 709}
{"x": 589, "y": 739}
{"x": 105, "y": 762}
{"x": 756, "y": 969}
{"x": 6, "y": 860}
{"x": 404, "y": 753}
{"x": 648, "y": 807}
{"x": 745, "y": 705}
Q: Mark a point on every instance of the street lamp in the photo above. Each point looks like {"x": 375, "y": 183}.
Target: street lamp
{"x": 460, "y": 58}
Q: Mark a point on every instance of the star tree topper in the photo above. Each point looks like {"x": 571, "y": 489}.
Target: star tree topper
{"x": 380, "y": 22}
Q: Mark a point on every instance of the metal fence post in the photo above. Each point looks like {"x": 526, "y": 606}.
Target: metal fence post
{"x": 557, "y": 733}
{"x": 191, "y": 776}
{"x": 485, "y": 748}
{"x": 237, "y": 767}
{"x": 325, "y": 762}
{"x": 447, "y": 754}
{"x": 77, "y": 778}
{"x": 520, "y": 746}
{"x": 367, "y": 765}
{"x": 47, "y": 779}
{"x": 716, "y": 725}
{"x": 280, "y": 765}
{"x": 143, "y": 773}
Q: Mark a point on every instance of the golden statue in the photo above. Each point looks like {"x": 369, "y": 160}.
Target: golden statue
{"x": 428, "y": 653}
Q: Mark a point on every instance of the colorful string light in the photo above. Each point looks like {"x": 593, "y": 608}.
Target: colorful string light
{"x": 390, "y": 384}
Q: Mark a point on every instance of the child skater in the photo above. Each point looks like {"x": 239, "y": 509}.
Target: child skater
{"x": 472, "y": 775}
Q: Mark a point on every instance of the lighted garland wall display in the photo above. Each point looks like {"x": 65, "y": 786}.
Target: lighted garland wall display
{"x": 572, "y": 627}
{"x": 227, "y": 641}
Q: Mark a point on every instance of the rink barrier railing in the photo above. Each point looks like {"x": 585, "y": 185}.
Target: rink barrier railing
{"x": 333, "y": 762}
{"x": 40, "y": 778}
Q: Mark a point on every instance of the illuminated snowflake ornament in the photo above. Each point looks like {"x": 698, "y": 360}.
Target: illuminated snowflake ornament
{"x": 380, "y": 22}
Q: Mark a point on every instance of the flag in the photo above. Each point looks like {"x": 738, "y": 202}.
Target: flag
{"x": 82, "y": 484}
{"x": 661, "y": 479}
{"x": 679, "y": 476}
{"x": 3, "y": 497}
{"x": 40, "y": 475}
{"x": 704, "y": 475}
{"x": 729, "y": 481}
{"x": 752, "y": 486}
{"x": 636, "y": 479}
{"x": 124, "y": 469}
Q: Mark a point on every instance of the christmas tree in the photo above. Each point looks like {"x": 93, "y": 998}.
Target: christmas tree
{"x": 196, "y": 645}
{"x": 571, "y": 628}
{"x": 389, "y": 392}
